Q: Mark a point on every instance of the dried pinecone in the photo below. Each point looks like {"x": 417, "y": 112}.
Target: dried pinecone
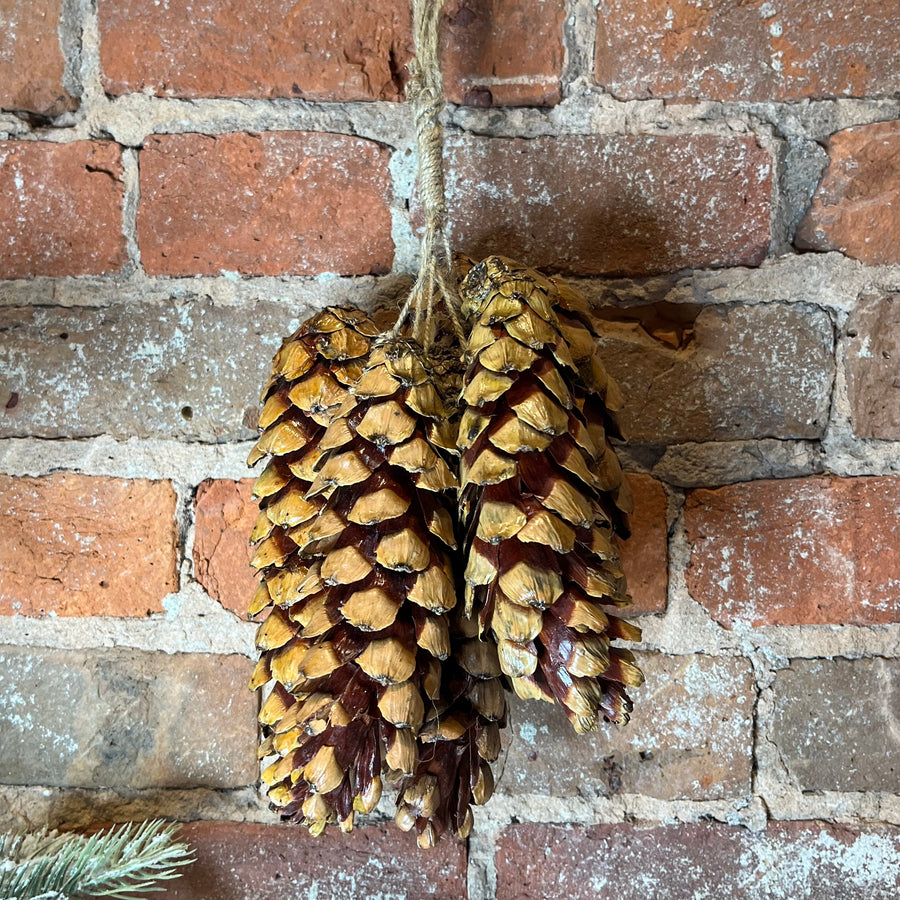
{"x": 359, "y": 642}
{"x": 458, "y": 741}
{"x": 543, "y": 493}
{"x": 309, "y": 386}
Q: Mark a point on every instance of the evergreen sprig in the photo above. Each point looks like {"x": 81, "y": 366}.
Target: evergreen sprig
{"x": 122, "y": 862}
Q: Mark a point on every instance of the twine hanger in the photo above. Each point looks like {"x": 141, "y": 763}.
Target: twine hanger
{"x": 434, "y": 282}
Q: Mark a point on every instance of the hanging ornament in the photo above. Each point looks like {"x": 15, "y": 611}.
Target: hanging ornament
{"x": 378, "y": 671}
{"x": 356, "y": 542}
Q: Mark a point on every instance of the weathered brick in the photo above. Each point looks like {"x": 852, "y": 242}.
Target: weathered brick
{"x": 72, "y": 545}
{"x": 856, "y": 208}
{"x": 790, "y": 50}
{"x": 835, "y": 724}
{"x": 225, "y": 513}
{"x": 872, "y": 340}
{"x": 338, "y": 52}
{"x": 482, "y": 54}
{"x": 618, "y": 204}
{"x": 802, "y": 551}
{"x": 270, "y": 862}
{"x": 144, "y": 720}
{"x": 268, "y": 48}
{"x": 187, "y": 369}
{"x": 746, "y": 372}
{"x": 751, "y": 371}
{"x": 690, "y": 737}
{"x": 727, "y": 462}
{"x": 787, "y": 861}
{"x": 31, "y": 58}
{"x": 264, "y": 204}
{"x": 645, "y": 556}
{"x": 62, "y": 209}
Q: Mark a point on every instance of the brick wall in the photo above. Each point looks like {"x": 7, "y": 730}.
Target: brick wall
{"x": 183, "y": 183}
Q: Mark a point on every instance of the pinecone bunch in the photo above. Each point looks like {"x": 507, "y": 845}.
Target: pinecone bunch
{"x": 543, "y": 494}
{"x": 371, "y": 527}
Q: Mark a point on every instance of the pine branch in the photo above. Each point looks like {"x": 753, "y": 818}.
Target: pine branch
{"x": 122, "y": 862}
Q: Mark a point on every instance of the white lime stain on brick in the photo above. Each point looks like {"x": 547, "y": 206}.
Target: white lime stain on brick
{"x": 689, "y": 738}
{"x": 777, "y": 869}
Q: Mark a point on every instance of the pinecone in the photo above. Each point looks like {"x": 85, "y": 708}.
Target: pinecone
{"x": 543, "y": 493}
{"x": 311, "y": 376}
{"x": 458, "y": 741}
{"x": 356, "y": 647}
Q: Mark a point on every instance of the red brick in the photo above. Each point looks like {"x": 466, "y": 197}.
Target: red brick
{"x": 340, "y": 51}
{"x": 802, "y": 551}
{"x": 62, "y": 213}
{"x": 270, "y": 862}
{"x": 268, "y": 48}
{"x": 74, "y": 545}
{"x": 264, "y": 204}
{"x": 31, "y": 58}
{"x": 619, "y": 204}
{"x": 645, "y": 556}
{"x": 189, "y": 368}
{"x": 482, "y": 52}
{"x": 788, "y": 860}
{"x": 225, "y": 514}
{"x": 756, "y": 51}
{"x": 873, "y": 374}
{"x": 856, "y": 208}
{"x": 755, "y": 370}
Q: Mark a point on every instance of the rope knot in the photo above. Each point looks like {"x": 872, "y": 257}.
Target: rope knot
{"x": 435, "y": 281}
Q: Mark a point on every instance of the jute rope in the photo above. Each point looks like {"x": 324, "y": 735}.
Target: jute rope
{"x": 435, "y": 281}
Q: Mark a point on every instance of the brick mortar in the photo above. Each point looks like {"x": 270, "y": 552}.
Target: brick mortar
{"x": 76, "y": 807}
{"x": 192, "y": 462}
{"x": 828, "y": 281}
{"x": 587, "y": 110}
{"x": 88, "y": 60}
{"x": 130, "y": 202}
{"x": 71, "y": 37}
{"x": 481, "y": 879}
{"x": 192, "y": 623}
{"x": 308, "y": 292}
{"x": 579, "y": 36}
{"x": 184, "y": 517}
{"x": 183, "y": 462}
{"x": 81, "y": 807}
{"x": 403, "y": 167}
